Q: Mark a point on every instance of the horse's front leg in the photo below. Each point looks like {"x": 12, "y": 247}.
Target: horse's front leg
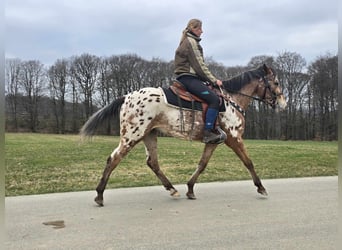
{"x": 207, "y": 153}
{"x": 236, "y": 144}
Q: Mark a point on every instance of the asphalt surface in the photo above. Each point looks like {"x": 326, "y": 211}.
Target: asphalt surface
{"x": 298, "y": 214}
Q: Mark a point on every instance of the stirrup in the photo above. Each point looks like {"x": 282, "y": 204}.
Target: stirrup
{"x": 223, "y": 135}
{"x": 216, "y": 136}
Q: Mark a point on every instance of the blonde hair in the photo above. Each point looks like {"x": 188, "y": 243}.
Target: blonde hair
{"x": 192, "y": 24}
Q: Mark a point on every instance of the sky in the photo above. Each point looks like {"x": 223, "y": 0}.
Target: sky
{"x": 234, "y": 31}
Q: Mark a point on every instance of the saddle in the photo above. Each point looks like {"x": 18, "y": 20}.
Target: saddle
{"x": 179, "y": 90}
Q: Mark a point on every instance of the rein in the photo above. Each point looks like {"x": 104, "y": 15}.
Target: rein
{"x": 253, "y": 97}
{"x": 267, "y": 87}
{"x": 249, "y": 96}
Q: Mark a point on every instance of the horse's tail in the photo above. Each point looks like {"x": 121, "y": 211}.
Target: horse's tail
{"x": 101, "y": 116}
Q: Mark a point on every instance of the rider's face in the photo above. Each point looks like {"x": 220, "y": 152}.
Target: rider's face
{"x": 197, "y": 31}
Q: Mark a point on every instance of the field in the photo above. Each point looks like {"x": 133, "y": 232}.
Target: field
{"x": 41, "y": 163}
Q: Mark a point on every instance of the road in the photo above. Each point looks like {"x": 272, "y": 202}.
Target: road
{"x": 299, "y": 213}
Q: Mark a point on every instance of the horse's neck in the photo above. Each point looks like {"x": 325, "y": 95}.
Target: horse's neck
{"x": 245, "y": 98}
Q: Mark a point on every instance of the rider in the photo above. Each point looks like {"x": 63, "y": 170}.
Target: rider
{"x": 192, "y": 72}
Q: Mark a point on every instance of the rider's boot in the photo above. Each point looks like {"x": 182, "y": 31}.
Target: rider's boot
{"x": 211, "y": 135}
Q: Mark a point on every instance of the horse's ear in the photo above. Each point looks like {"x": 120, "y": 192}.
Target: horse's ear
{"x": 265, "y": 68}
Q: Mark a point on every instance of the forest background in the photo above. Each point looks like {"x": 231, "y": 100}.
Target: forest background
{"x": 59, "y": 98}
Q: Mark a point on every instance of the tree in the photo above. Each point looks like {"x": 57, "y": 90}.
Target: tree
{"x": 257, "y": 61}
{"x": 32, "y": 82}
{"x": 121, "y": 70}
{"x": 85, "y": 70}
{"x": 290, "y": 66}
{"x": 104, "y": 87}
{"x": 77, "y": 86}
{"x": 158, "y": 73}
{"x": 58, "y": 75}
{"x": 13, "y": 67}
{"x": 323, "y": 84}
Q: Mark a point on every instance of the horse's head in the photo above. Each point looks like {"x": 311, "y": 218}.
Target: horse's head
{"x": 269, "y": 89}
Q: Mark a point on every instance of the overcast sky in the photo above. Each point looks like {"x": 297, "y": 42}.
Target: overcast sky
{"x": 234, "y": 30}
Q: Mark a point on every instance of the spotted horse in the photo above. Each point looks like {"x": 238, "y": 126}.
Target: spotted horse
{"x": 144, "y": 112}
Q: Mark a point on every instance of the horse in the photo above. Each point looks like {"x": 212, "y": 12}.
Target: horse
{"x": 143, "y": 113}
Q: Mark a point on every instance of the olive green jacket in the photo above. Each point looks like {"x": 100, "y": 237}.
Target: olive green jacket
{"x": 189, "y": 59}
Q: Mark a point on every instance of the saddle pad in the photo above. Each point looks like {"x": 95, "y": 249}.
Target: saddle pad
{"x": 173, "y": 100}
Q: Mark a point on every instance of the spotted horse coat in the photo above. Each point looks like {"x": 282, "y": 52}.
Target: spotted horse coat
{"x": 144, "y": 112}
{"x": 146, "y": 109}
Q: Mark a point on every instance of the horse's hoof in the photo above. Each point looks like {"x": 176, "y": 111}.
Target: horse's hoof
{"x": 99, "y": 201}
{"x": 191, "y": 196}
{"x": 262, "y": 192}
{"x": 174, "y": 193}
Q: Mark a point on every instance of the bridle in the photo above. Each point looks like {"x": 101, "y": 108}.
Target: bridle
{"x": 274, "y": 95}
{"x": 267, "y": 87}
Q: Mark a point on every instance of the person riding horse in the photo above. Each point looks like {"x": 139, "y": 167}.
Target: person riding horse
{"x": 144, "y": 113}
{"x": 191, "y": 71}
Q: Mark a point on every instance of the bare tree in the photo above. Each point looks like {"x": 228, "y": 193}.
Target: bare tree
{"x": 76, "y": 113}
{"x": 85, "y": 70}
{"x": 158, "y": 73}
{"x": 257, "y": 61}
{"x": 324, "y": 90}
{"x": 290, "y": 66}
{"x": 13, "y": 67}
{"x": 126, "y": 73}
{"x": 79, "y": 85}
{"x": 140, "y": 74}
{"x": 58, "y": 75}
{"x": 32, "y": 81}
{"x": 104, "y": 90}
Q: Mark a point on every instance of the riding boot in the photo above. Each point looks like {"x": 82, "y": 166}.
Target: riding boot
{"x": 210, "y": 135}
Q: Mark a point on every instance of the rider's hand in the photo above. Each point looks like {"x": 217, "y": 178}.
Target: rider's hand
{"x": 218, "y": 82}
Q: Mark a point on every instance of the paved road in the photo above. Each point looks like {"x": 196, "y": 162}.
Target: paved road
{"x": 298, "y": 214}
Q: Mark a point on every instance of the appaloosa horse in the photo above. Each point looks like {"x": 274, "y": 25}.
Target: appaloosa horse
{"x": 144, "y": 112}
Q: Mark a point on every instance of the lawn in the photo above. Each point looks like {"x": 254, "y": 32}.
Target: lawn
{"x": 45, "y": 163}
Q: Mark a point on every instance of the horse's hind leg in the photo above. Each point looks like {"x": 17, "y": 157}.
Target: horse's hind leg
{"x": 207, "y": 153}
{"x": 150, "y": 142}
{"x": 112, "y": 162}
{"x": 238, "y": 147}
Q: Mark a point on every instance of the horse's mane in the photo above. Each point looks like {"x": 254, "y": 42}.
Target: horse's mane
{"x": 236, "y": 83}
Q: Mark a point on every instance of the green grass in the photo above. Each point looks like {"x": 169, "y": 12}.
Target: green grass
{"x": 42, "y": 163}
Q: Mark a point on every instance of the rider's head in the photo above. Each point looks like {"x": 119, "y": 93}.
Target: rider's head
{"x": 194, "y": 26}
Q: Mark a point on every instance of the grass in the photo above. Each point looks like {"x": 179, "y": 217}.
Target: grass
{"x": 42, "y": 163}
